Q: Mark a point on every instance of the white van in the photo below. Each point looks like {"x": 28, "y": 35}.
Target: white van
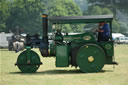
{"x": 121, "y": 40}
{"x": 4, "y": 37}
{"x": 126, "y": 40}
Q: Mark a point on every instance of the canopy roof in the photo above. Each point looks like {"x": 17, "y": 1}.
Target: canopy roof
{"x": 80, "y": 19}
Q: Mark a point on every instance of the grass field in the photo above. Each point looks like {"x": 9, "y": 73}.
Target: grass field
{"x": 48, "y": 74}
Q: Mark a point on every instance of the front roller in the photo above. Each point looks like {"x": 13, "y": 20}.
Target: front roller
{"x": 90, "y": 58}
{"x": 28, "y": 61}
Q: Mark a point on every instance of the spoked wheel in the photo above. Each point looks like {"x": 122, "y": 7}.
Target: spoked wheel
{"x": 28, "y": 66}
{"x": 90, "y": 58}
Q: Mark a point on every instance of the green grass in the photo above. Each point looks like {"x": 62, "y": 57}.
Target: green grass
{"x": 48, "y": 74}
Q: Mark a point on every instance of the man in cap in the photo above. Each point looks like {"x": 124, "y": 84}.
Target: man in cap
{"x": 103, "y": 32}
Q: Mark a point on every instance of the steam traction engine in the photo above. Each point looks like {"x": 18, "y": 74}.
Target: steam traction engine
{"x": 79, "y": 50}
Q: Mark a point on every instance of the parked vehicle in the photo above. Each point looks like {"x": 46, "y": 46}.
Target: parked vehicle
{"x": 4, "y": 37}
{"x": 126, "y": 40}
{"x": 121, "y": 40}
{"x": 16, "y": 42}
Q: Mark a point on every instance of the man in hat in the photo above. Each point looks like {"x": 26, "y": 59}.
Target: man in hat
{"x": 103, "y": 32}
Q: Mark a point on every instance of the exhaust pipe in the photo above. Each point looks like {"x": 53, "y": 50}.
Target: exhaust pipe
{"x": 44, "y": 44}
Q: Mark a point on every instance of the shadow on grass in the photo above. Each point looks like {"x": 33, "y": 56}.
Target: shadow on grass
{"x": 55, "y": 72}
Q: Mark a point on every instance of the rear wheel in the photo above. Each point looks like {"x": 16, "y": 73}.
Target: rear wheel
{"x": 90, "y": 58}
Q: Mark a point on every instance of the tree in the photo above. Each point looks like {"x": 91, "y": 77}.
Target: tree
{"x": 82, "y": 4}
{"x": 115, "y": 26}
{"x": 97, "y": 10}
{"x": 65, "y": 8}
{"x": 94, "y": 10}
{"x": 123, "y": 27}
{"x": 118, "y": 7}
{"x": 26, "y": 14}
{"x": 114, "y": 5}
{"x": 4, "y": 13}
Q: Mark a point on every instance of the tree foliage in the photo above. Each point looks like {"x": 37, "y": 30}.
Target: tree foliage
{"x": 4, "y": 13}
{"x": 107, "y": 7}
{"x": 123, "y": 27}
{"x": 97, "y": 10}
{"x": 82, "y": 4}
{"x": 65, "y": 8}
{"x": 114, "y": 5}
{"x": 26, "y": 14}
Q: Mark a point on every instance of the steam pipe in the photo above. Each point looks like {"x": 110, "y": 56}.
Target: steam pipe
{"x": 45, "y": 27}
{"x": 44, "y": 44}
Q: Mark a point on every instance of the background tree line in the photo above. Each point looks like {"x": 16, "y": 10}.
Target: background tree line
{"x": 26, "y": 14}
